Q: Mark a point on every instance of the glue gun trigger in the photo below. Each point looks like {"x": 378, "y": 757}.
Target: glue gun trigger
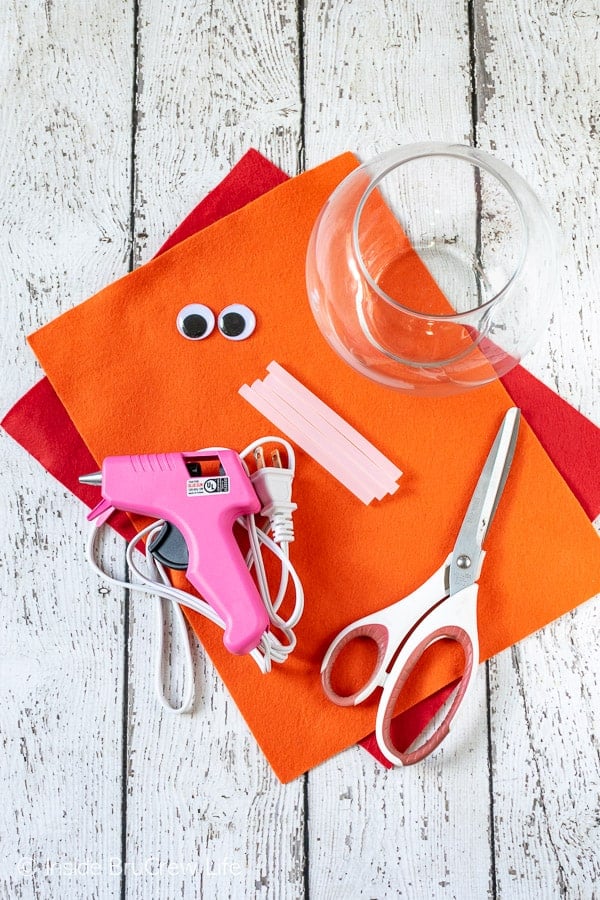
{"x": 169, "y": 548}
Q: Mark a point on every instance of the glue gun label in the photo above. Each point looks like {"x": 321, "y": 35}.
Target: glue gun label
{"x": 199, "y": 487}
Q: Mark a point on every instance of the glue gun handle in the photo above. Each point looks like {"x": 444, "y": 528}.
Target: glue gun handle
{"x": 218, "y": 572}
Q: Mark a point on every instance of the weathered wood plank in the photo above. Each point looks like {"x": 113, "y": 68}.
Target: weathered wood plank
{"x": 381, "y": 74}
{"x": 64, "y": 204}
{"x": 214, "y": 78}
{"x": 378, "y": 75}
{"x": 539, "y": 96}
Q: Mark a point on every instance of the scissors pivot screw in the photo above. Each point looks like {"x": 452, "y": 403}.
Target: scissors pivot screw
{"x": 463, "y": 562}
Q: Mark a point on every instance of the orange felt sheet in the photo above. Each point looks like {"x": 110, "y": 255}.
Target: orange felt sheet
{"x": 132, "y": 384}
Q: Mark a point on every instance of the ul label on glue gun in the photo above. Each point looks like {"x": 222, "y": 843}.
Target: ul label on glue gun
{"x": 199, "y": 487}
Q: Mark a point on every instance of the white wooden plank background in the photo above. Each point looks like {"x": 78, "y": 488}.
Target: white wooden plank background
{"x": 66, "y": 126}
{"x": 117, "y": 116}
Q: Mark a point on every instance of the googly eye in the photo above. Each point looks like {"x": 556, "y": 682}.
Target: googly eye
{"x": 236, "y": 322}
{"x": 195, "y": 321}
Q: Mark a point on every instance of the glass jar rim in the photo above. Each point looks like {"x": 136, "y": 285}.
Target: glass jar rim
{"x": 471, "y": 155}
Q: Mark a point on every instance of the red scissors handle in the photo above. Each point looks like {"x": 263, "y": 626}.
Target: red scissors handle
{"x": 374, "y": 631}
{"x": 456, "y": 620}
{"x": 388, "y": 629}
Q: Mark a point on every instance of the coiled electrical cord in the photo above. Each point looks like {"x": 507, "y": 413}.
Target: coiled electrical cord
{"x": 273, "y": 486}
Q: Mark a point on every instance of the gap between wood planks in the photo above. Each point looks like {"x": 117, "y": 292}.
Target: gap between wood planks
{"x": 127, "y": 592}
{"x": 477, "y": 68}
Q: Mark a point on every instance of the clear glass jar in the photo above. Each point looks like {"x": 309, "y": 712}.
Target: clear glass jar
{"x": 431, "y": 269}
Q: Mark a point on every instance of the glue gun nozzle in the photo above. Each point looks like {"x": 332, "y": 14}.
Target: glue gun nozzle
{"x": 93, "y": 478}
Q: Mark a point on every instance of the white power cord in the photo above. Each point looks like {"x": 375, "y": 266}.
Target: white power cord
{"x": 273, "y": 486}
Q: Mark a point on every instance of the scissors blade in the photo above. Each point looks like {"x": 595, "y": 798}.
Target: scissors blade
{"x": 464, "y": 568}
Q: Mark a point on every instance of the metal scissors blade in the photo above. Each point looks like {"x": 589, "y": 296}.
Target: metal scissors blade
{"x": 464, "y": 568}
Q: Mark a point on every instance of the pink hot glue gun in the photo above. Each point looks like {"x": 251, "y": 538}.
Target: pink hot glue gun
{"x": 200, "y": 495}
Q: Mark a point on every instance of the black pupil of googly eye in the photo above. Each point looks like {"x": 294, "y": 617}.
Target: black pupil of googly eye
{"x": 194, "y": 325}
{"x": 232, "y": 324}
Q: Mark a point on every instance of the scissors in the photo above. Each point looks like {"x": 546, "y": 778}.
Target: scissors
{"x": 444, "y": 606}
